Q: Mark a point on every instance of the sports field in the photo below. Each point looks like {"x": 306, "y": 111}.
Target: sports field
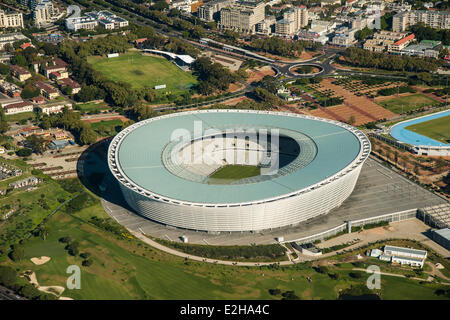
{"x": 235, "y": 172}
{"x": 143, "y": 70}
{"x": 437, "y": 129}
{"x": 408, "y": 103}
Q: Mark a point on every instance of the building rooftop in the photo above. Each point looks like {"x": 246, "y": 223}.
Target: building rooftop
{"x": 445, "y": 233}
{"x": 335, "y": 149}
{"x": 405, "y": 250}
{"x": 405, "y": 39}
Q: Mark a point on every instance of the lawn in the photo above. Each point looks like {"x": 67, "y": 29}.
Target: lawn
{"x": 20, "y": 116}
{"x": 235, "y": 172}
{"x": 142, "y": 70}
{"x": 129, "y": 269}
{"x": 91, "y": 106}
{"x": 408, "y": 103}
{"x": 437, "y": 129}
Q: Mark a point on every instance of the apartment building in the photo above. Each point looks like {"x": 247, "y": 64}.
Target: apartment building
{"x": 10, "y": 89}
{"x": 46, "y": 90}
{"x": 45, "y": 13}
{"x": 211, "y": 10}
{"x": 18, "y": 107}
{"x": 11, "y": 19}
{"x": 344, "y": 37}
{"x": 243, "y": 16}
{"x": 293, "y": 20}
{"x": 398, "y": 46}
{"x": 265, "y": 27}
{"x": 435, "y": 19}
{"x": 19, "y": 73}
{"x": 382, "y": 39}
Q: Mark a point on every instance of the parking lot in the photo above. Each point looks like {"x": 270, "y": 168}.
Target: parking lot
{"x": 378, "y": 191}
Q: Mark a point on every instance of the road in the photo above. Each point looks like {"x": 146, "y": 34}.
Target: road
{"x": 7, "y": 294}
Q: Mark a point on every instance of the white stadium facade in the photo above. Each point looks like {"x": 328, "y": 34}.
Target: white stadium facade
{"x": 318, "y": 162}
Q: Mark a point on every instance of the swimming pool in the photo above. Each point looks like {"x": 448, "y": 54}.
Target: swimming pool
{"x": 399, "y": 132}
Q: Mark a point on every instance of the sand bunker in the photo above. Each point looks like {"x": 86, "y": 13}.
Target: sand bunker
{"x": 65, "y": 298}
{"x": 56, "y": 290}
{"x": 41, "y": 260}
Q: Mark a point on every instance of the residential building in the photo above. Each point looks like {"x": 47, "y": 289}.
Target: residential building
{"x": 265, "y": 27}
{"x": 18, "y": 107}
{"x": 54, "y": 107}
{"x": 431, "y": 18}
{"x": 211, "y": 11}
{"x": 293, "y": 20}
{"x": 43, "y": 13}
{"x": 54, "y": 65}
{"x": 242, "y": 16}
{"x": 10, "y": 38}
{"x": 382, "y": 39}
{"x": 20, "y": 73}
{"x": 344, "y": 37}
{"x": 67, "y": 82}
{"x": 46, "y": 90}
{"x": 399, "y": 45}
{"x": 10, "y": 89}
{"x": 12, "y": 19}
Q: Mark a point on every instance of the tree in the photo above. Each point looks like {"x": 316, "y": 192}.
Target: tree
{"x": 29, "y": 91}
{"x": 87, "y": 135}
{"x": 4, "y": 126}
{"x": 275, "y": 292}
{"x": 24, "y": 152}
{"x": 351, "y": 120}
{"x": 4, "y": 69}
{"x": 17, "y": 253}
{"x": 8, "y": 276}
{"x": 37, "y": 143}
{"x": 19, "y": 60}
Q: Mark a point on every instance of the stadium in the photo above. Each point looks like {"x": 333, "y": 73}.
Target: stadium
{"x": 236, "y": 170}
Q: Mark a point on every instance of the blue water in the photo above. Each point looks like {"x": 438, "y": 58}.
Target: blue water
{"x": 400, "y": 133}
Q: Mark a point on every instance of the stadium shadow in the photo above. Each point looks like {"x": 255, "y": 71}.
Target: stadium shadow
{"x": 93, "y": 172}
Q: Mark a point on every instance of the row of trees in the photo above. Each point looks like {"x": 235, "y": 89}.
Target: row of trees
{"x": 363, "y": 58}
{"x": 279, "y": 46}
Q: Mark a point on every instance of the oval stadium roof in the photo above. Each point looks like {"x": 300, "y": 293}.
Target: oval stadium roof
{"x": 140, "y": 147}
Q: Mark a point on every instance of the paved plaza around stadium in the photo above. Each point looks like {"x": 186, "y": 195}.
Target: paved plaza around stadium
{"x": 379, "y": 190}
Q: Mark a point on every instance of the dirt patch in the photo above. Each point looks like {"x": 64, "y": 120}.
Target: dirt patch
{"x": 41, "y": 260}
{"x": 257, "y": 74}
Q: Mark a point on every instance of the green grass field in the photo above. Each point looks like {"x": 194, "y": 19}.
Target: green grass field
{"x": 408, "y": 103}
{"x": 437, "y": 129}
{"x": 142, "y": 70}
{"x": 20, "y": 116}
{"x": 92, "y": 106}
{"x": 126, "y": 268}
{"x": 235, "y": 172}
